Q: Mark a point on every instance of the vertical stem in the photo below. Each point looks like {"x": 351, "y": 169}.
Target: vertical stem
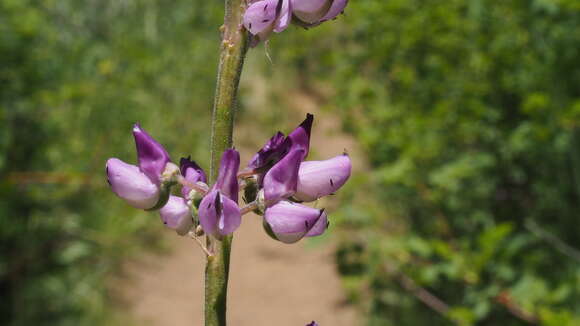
{"x": 232, "y": 52}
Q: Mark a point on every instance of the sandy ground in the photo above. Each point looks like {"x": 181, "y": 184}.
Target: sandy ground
{"x": 270, "y": 283}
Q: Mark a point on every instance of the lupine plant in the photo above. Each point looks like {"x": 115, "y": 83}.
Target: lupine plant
{"x": 277, "y": 181}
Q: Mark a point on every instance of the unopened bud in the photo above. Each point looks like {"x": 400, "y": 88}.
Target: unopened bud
{"x": 261, "y": 201}
{"x": 170, "y": 173}
{"x": 199, "y": 231}
{"x": 251, "y": 189}
{"x": 175, "y": 215}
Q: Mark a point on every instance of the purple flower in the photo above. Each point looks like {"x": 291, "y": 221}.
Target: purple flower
{"x": 320, "y": 178}
{"x": 140, "y": 186}
{"x": 315, "y": 12}
{"x": 151, "y": 155}
{"x": 267, "y": 16}
{"x": 219, "y": 213}
{"x": 278, "y": 146}
{"x": 279, "y": 161}
{"x": 131, "y": 184}
{"x": 271, "y": 153}
{"x": 192, "y": 173}
{"x": 282, "y": 179}
{"x": 176, "y": 215}
{"x": 289, "y": 222}
{"x": 300, "y": 137}
{"x": 227, "y": 180}
{"x": 313, "y": 323}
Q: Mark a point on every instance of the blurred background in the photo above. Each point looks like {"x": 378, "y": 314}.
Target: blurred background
{"x": 462, "y": 119}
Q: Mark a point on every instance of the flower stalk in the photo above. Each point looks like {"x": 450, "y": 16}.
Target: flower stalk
{"x": 232, "y": 52}
{"x": 273, "y": 182}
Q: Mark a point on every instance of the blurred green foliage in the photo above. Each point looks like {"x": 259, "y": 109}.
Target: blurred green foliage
{"x": 467, "y": 111}
{"x": 74, "y": 76}
{"x": 469, "y": 114}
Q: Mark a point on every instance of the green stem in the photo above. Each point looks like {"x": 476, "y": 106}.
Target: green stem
{"x": 232, "y": 52}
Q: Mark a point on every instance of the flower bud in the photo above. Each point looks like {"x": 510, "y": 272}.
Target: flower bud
{"x": 261, "y": 201}
{"x": 128, "y": 182}
{"x": 176, "y": 215}
{"x": 289, "y": 222}
{"x": 250, "y": 189}
{"x": 320, "y": 178}
{"x": 199, "y": 231}
{"x": 151, "y": 155}
{"x": 315, "y": 12}
{"x": 191, "y": 173}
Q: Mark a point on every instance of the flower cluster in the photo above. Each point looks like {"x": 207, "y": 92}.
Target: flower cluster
{"x": 266, "y": 16}
{"x": 275, "y": 183}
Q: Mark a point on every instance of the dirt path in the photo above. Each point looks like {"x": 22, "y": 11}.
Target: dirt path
{"x": 270, "y": 284}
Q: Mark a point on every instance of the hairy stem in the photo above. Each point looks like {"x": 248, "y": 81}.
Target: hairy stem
{"x": 232, "y": 52}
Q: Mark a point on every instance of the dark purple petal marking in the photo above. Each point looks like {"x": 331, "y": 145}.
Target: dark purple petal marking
{"x": 107, "y": 172}
{"x": 218, "y": 204}
{"x": 270, "y": 153}
{"x": 320, "y": 226}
